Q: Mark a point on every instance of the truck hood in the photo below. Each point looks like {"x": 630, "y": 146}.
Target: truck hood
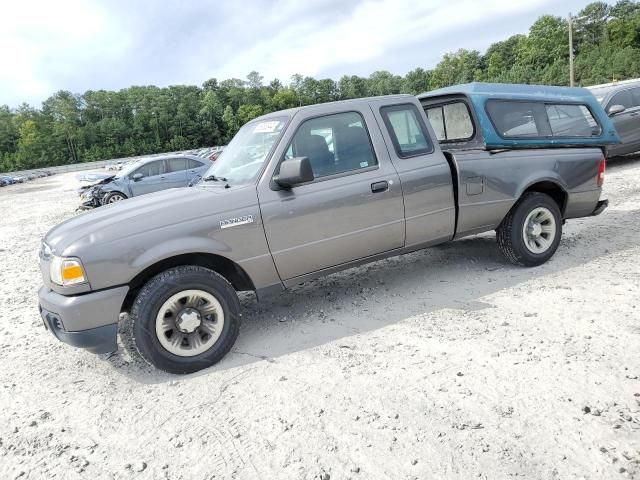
{"x": 145, "y": 213}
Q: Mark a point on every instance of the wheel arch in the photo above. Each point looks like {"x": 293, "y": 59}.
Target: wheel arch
{"x": 552, "y": 188}
{"x": 230, "y": 270}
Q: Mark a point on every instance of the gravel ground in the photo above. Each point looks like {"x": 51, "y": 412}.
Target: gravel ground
{"x": 445, "y": 363}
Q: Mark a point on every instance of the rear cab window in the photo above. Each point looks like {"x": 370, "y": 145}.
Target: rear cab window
{"x": 523, "y": 119}
{"x": 452, "y": 121}
{"x": 407, "y": 130}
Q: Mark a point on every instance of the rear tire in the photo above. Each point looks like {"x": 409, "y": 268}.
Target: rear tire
{"x": 184, "y": 319}
{"x": 530, "y": 233}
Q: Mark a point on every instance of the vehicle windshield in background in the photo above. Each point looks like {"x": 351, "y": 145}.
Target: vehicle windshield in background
{"x": 242, "y": 160}
{"x": 601, "y": 92}
{"x": 128, "y": 168}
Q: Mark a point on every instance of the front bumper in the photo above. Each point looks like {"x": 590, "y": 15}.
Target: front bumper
{"x": 600, "y": 207}
{"x": 87, "y": 321}
{"x": 90, "y": 198}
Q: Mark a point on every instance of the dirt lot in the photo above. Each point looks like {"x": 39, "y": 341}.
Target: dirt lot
{"x": 446, "y": 363}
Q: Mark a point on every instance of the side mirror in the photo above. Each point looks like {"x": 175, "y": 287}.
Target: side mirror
{"x": 615, "y": 110}
{"x": 137, "y": 176}
{"x": 294, "y": 172}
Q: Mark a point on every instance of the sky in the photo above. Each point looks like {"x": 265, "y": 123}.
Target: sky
{"x": 80, "y": 45}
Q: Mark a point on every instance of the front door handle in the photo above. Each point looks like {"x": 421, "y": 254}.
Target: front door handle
{"x": 380, "y": 186}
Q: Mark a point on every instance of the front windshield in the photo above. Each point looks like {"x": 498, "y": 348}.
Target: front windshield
{"x": 129, "y": 167}
{"x": 600, "y": 93}
{"x": 241, "y": 161}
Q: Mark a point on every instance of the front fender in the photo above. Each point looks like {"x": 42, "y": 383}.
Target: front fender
{"x": 116, "y": 186}
{"x": 179, "y": 246}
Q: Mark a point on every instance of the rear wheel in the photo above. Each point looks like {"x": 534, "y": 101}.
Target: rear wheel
{"x": 184, "y": 319}
{"x": 113, "y": 197}
{"x": 530, "y": 233}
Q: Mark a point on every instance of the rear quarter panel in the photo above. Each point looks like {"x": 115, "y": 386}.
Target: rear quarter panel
{"x": 489, "y": 183}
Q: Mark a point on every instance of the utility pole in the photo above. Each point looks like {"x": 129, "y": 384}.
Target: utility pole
{"x": 570, "y": 50}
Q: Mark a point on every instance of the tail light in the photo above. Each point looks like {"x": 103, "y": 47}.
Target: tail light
{"x": 601, "y": 168}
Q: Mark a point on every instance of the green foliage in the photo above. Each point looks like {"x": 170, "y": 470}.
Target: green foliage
{"x": 547, "y": 42}
{"x": 141, "y": 120}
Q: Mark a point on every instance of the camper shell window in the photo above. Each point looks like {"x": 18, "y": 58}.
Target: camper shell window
{"x": 530, "y": 119}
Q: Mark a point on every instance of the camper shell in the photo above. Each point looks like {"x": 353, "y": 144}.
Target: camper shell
{"x": 494, "y": 116}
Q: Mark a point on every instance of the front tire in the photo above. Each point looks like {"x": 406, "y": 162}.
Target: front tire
{"x": 184, "y": 319}
{"x": 530, "y": 233}
{"x": 113, "y": 197}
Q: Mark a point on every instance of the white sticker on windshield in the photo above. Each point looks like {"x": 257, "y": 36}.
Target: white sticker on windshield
{"x": 266, "y": 127}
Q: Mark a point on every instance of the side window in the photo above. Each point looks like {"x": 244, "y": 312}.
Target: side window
{"x": 192, "y": 164}
{"x": 327, "y": 134}
{"x": 635, "y": 92}
{"x": 572, "y": 121}
{"x": 407, "y": 131}
{"x": 514, "y": 119}
{"x": 333, "y": 144}
{"x": 624, "y": 98}
{"x": 151, "y": 169}
{"x": 176, "y": 165}
{"x": 451, "y": 121}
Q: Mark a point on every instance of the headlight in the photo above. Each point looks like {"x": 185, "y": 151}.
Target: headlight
{"x": 66, "y": 271}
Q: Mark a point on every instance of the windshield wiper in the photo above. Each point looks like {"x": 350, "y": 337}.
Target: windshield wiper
{"x": 213, "y": 178}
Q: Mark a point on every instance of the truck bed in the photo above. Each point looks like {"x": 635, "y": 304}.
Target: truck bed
{"x": 488, "y": 183}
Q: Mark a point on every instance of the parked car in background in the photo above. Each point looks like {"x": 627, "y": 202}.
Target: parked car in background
{"x": 116, "y": 165}
{"x": 309, "y": 191}
{"x": 92, "y": 177}
{"x": 144, "y": 176}
{"x": 621, "y": 101}
{"x": 7, "y": 180}
{"x": 211, "y": 153}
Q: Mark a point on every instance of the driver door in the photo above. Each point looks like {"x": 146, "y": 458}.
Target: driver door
{"x": 352, "y": 210}
{"x": 153, "y": 178}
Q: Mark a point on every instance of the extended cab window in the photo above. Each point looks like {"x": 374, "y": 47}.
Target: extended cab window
{"x": 194, "y": 163}
{"x": 407, "y": 131}
{"x": 333, "y": 144}
{"x": 451, "y": 121}
{"x": 515, "y": 119}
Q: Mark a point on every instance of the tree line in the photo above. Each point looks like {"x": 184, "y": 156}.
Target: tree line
{"x": 101, "y": 124}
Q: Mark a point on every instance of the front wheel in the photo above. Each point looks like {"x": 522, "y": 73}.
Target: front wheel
{"x": 530, "y": 233}
{"x": 184, "y": 319}
{"x": 113, "y": 197}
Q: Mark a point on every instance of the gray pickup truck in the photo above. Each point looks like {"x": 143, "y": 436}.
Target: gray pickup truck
{"x": 298, "y": 194}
